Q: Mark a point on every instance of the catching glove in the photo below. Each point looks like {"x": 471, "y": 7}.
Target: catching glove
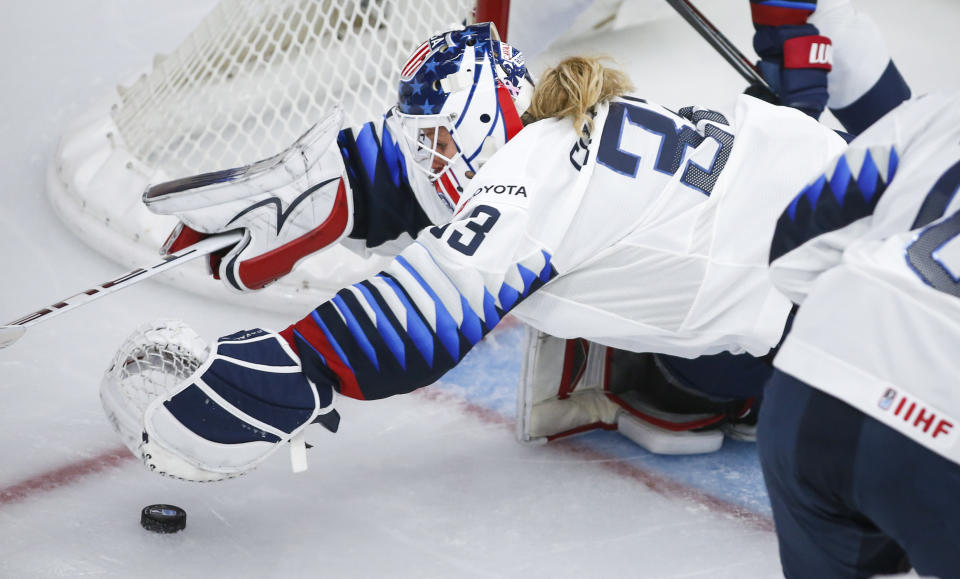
{"x": 205, "y": 414}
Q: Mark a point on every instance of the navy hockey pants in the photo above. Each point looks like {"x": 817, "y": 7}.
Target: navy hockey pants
{"x": 852, "y": 497}
{"x": 723, "y": 376}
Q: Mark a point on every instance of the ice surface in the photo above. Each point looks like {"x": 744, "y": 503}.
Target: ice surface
{"x": 427, "y": 485}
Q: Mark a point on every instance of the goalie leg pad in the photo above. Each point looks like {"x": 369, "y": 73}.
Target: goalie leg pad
{"x": 572, "y": 386}
{"x": 560, "y": 391}
{"x": 661, "y": 441}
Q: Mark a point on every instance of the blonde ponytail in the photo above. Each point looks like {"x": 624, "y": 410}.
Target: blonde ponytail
{"x": 573, "y": 87}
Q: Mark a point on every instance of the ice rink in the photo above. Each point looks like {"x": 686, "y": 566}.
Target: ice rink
{"x": 427, "y": 485}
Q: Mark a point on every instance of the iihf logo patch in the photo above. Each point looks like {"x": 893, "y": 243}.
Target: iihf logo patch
{"x": 887, "y": 400}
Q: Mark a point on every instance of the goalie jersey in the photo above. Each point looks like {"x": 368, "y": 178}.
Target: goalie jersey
{"x": 648, "y": 233}
{"x": 870, "y": 251}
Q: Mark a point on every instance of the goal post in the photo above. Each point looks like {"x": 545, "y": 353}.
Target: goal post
{"x": 496, "y": 11}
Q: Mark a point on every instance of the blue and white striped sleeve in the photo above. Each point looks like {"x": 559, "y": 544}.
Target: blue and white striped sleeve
{"x": 827, "y": 215}
{"x": 405, "y": 327}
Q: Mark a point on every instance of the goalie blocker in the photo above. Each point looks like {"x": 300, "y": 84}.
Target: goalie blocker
{"x": 574, "y": 386}
{"x": 332, "y": 186}
{"x": 287, "y": 207}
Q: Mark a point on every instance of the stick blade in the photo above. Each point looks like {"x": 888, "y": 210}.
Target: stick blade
{"x": 10, "y": 334}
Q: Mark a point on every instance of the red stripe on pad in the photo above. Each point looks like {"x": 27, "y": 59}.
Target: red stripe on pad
{"x": 666, "y": 424}
{"x": 580, "y": 429}
{"x": 258, "y": 271}
{"x": 569, "y": 380}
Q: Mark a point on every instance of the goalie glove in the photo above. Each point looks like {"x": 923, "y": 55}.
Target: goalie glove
{"x": 288, "y": 207}
{"x": 246, "y": 397}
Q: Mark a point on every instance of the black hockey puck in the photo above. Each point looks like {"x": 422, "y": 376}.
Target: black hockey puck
{"x": 163, "y": 518}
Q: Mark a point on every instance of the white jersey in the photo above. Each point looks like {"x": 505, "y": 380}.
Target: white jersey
{"x": 658, "y": 229}
{"x": 651, "y": 236}
{"x": 871, "y": 252}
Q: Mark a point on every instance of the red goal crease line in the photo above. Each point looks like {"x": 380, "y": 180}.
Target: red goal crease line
{"x": 64, "y": 476}
{"x": 116, "y": 457}
{"x": 660, "y": 484}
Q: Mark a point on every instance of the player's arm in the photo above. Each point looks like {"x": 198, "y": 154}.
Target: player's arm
{"x": 390, "y": 334}
{"x": 864, "y": 84}
{"x": 410, "y": 324}
{"x": 405, "y": 327}
{"x": 391, "y": 203}
{"x": 831, "y": 212}
{"x": 331, "y": 186}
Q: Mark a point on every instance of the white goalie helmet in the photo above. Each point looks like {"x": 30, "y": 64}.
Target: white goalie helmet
{"x": 460, "y": 99}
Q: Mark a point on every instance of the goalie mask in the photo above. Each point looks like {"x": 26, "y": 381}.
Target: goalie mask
{"x": 460, "y": 99}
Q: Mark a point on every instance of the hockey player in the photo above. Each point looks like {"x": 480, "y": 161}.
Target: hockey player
{"x": 858, "y": 435}
{"x": 825, "y": 53}
{"x": 611, "y": 219}
{"x": 385, "y": 206}
{"x": 795, "y": 40}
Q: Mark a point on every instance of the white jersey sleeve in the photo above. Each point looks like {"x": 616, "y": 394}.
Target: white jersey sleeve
{"x": 864, "y": 82}
{"x": 807, "y": 243}
{"x": 872, "y": 249}
{"x": 860, "y": 54}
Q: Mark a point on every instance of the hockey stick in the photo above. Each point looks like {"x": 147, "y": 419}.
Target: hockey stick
{"x": 14, "y": 330}
{"x": 727, "y": 49}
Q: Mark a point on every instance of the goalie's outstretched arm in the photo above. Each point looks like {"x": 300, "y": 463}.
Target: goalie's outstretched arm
{"x": 410, "y": 324}
{"x": 390, "y": 334}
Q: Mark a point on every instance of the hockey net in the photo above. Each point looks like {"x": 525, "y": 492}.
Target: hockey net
{"x": 257, "y": 73}
{"x": 253, "y": 76}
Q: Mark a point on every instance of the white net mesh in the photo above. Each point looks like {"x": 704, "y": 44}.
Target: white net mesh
{"x": 249, "y": 80}
{"x": 153, "y": 360}
{"x": 257, "y": 73}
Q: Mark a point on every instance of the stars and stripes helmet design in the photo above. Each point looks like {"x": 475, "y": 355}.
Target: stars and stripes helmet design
{"x": 460, "y": 99}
